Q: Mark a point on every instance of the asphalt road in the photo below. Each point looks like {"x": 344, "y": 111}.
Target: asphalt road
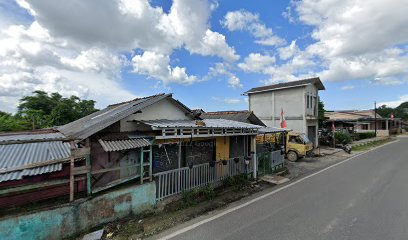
{"x": 363, "y": 198}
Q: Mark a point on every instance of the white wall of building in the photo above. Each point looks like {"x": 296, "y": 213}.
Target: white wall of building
{"x": 163, "y": 109}
{"x": 299, "y": 115}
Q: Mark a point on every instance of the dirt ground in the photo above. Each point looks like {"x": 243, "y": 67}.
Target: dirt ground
{"x": 177, "y": 211}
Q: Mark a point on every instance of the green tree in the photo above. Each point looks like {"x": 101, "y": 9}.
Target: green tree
{"x": 9, "y": 122}
{"x": 321, "y": 111}
{"x": 399, "y": 112}
{"x": 43, "y": 110}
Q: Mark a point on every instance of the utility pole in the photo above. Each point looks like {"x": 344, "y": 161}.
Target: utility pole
{"x": 375, "y": 117}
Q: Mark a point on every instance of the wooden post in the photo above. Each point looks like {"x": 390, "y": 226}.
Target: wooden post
{"x": 254, "y": 157}
{"x": 88, "y": 166}
{"x": 71, "y": 172}
{"x": 141, "y": 165}
{"x": 179, "y": 153}
{"x": 151, "y": 162}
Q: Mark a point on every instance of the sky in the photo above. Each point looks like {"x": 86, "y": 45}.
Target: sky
{"x": 207, "y": 53}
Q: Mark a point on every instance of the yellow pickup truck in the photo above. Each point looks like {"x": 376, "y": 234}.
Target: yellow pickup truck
{"x": 297, "y": 144}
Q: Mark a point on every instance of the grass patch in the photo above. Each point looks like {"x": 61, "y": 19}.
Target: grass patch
{"x": 370, "y": 145}
{"x": 193, "y": 196}
{"x": 238, "y": 182}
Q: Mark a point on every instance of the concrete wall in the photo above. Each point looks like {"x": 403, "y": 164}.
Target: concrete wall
{"x": 267, "y": 107}
{"x": 164, "y": 109}
{"x": 73, "y": 218}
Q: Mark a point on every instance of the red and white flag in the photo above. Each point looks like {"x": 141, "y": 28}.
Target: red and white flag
{"x": 283, "y": 121}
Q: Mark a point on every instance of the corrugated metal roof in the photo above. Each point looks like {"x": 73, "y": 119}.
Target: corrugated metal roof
{"x": 16, "y": 155}
{"x": 26, "y": 136}
{"x": 117, "y": 145}
{"x": 209, "y": 123}
{"x": 18, "y": 175}
{"x": 272, "y": 130}
{"x": 240, "y": 116}
{"x": 93, "y": 123}
{"x": 351, "y": 115}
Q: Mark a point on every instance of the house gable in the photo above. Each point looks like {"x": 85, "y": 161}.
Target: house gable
{"x": 167, "y": 108}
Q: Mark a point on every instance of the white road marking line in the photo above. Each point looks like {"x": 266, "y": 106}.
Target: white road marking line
{"x": 186, "y": 229}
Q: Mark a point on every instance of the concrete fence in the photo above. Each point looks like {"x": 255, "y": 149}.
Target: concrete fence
{"x": 73, "y": 218}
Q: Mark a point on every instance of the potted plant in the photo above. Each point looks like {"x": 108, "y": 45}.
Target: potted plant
{"x": 247, "y": 159}
{"x": 212, "y": 163}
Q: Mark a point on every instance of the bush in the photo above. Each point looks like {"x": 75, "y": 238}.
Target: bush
{"x": 191, "y": 197}
{"x": 238, "y": 181}
{"x": 364, "y": 135}
{"x": 208, "y": 192}
{"x": 342, "y": 137}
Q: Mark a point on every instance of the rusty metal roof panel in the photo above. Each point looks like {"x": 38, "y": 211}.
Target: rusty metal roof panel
{"x": 118, "y": 145}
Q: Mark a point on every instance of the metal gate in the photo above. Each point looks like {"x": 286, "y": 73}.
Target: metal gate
{"x": 269, "y": 162}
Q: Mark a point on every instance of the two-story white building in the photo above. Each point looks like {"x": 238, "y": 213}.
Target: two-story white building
{"x": 297, "y": 99}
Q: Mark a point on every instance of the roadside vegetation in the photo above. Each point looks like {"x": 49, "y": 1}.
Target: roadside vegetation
{"x": 369, "y": 145}
{"x": 192, "y": 203}
{"x": 343, "y": 137}
{"x": 364, "y": 135}
{"x": 44, "y": 110}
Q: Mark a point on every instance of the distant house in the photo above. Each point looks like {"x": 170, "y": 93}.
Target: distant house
{"x": 297, "y": 99}
{"x": 363, "y": 121}
{"x": 239, "y": 116}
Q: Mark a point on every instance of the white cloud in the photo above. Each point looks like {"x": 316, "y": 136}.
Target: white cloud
{"x": 70, "y": 39}
{"x": 243, "y": 20}
{"x": 396, "y": 103}
{"x": 214, "y": 44}
{"x": 256, "y": 62}
{"x": 224, "y": 69}
{"x": 289, "y": 51}
{"x": 157, "y": 65}
{"x": 234, "y": 82}
{"x": 293, "y": 69}
{"x": 352, "y": 40}
{"x": 347, "y": 87}
{"x": 229, "y": 100}
{"x": 362, "y": 39}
